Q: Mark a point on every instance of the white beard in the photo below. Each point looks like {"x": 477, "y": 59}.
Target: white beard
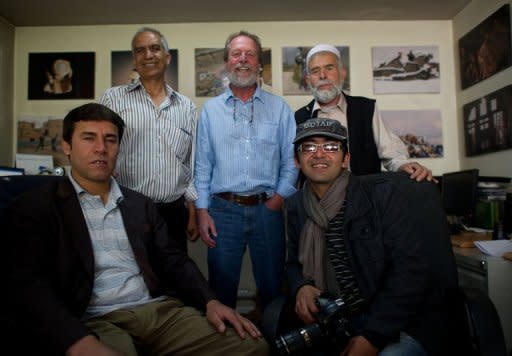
{"x": 242, "y": 82}
{"x": 325, "y": 96}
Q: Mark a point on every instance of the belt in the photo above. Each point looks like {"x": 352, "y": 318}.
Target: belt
{"x": 254, "y": 199}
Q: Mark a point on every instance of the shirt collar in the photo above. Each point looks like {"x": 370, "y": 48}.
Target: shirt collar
{"x": 342, "y": 105}
{"x": 114, "y": 195}
{"x": 228, "y": 94}
{"x": 138, "y": 85}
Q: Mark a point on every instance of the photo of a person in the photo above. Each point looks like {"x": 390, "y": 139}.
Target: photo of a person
{"x": 59, "y": 79}
{"x": 62, "y": 75}
{"x": 295, "y": 71}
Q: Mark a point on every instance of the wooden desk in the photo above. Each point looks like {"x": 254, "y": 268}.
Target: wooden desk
{"x": 468, "y": 238}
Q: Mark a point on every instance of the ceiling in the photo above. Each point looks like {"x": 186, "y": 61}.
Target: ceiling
{"x": 98, "y": 12}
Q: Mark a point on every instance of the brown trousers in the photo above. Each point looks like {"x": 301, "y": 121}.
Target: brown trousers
{"x": 170, "y": 328}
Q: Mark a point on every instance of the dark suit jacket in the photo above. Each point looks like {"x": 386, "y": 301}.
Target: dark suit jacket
{"x": 51, "y": 270}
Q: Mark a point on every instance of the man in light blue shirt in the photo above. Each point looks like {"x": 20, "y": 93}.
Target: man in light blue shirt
{"x": 244, "y": 169}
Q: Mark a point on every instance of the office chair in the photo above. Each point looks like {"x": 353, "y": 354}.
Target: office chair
{"x": 478, "y": 331}
{"x": 13, "y": 333}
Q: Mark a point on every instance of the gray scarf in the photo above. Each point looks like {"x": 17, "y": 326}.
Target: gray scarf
{"x": 312, "y": 249}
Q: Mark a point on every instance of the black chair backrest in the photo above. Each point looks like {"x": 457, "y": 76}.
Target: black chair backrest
{"x": 12, "y": 186}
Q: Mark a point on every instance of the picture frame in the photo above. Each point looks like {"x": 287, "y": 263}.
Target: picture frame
{"x": 211, "y": 77}
{"x": 406, "y": 69}
{"x": 420, "y": 130}
{"x": 61, "y": 75}
{"x": 41, "y": 135}
{"x": 488, "y": 123}
{"x": 294, "y": 70}
{"x": 486, "y": 49}
{"x": 123, "y": 70}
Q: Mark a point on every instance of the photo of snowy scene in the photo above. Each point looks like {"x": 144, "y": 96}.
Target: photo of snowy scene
{"x": 408, "y": 69}
{"x": 420, "y": 130}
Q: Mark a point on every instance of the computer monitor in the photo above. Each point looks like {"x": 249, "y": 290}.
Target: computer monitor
{"x": 459, "y": 192}
{"x": 11, "y": 171}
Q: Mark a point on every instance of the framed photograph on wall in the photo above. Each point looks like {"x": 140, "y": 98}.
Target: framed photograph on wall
{"x": 41, "y": 135}
{"x": 211, "y": 76}
{"x": 294, "y": 70}
{"x": 406, "y": 69}
{"x": 123, "y": 70}
{"x": 486, "y": 50}
{"x": 57, "y": 76}
{"x": 420, "y": 130}
{"x": 488, "y": 123}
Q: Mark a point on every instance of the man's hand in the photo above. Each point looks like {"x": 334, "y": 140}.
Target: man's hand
{"x": 217, "y": 313}
{"x": 305, "y": 306}
{"x": 359, "y": 346}
{"x": 207, "y": 229}
{"x": 192, "y": 230}
{"x": 275, "y": 203}
{"x": 89, "y": 345}
{"x": 418, "y": 172}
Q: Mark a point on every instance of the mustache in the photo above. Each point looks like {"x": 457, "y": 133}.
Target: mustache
{"x": 324, "y": 82}
{"x": 319, "y": 161}
{"x": 244, "y": 65}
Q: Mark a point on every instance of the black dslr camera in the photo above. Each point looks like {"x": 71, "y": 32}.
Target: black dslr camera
{"x": 332, "y": 328}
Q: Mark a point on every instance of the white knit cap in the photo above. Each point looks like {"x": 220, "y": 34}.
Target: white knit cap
{"x": 322, "y": 48}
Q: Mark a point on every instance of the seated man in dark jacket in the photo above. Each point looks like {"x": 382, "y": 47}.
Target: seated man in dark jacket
{"x": 92, "y": 271}
{"x": 364, "y": 240}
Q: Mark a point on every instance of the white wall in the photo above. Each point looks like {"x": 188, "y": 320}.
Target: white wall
{"x": 492, "y": 164}
{"x": 360, "y": 36}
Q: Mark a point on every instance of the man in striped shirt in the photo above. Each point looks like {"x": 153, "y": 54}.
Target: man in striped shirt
{"x": 157, "y": 152}
{"x": 364, "y": 240}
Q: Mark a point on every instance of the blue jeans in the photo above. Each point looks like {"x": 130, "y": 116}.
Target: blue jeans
{"x": 239, "y": 226}
{"x": 406, "y": 346}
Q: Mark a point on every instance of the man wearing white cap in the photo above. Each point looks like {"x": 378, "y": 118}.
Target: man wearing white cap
{"x": 370, "y": 142}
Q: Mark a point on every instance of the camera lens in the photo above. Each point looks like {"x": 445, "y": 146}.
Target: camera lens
{"x": 298, "y": 339}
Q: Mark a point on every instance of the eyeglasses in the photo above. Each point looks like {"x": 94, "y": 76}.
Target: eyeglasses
{"x": 328, "y": 147}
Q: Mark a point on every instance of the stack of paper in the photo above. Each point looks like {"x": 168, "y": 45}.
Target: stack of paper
{"x": 494, "y": 247}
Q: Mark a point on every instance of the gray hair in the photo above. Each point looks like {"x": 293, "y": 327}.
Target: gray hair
{"x": 163, "y": 41}
{"x": 253, "y": 37}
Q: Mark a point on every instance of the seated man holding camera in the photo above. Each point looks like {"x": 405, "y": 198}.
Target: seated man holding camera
{"x": 377, "y": 243}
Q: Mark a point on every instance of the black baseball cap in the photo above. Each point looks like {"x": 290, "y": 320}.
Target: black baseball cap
{"x": 321, "y": 127}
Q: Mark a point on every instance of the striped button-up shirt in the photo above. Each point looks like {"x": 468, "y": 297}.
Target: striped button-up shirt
{"x": 156, "y": 156}
{"x": 118, "y": 281}
{"x": 246, "y": 147}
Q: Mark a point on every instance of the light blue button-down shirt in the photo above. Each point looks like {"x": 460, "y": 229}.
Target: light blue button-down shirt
{"x": 245, "y": 148}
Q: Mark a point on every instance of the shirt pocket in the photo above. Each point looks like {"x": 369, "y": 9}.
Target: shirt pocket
{"x": 366, "y": 241}
{"x": 267, "y": 151}
{"x": 180, "y": 141}
{"x": 267, "y": 133}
